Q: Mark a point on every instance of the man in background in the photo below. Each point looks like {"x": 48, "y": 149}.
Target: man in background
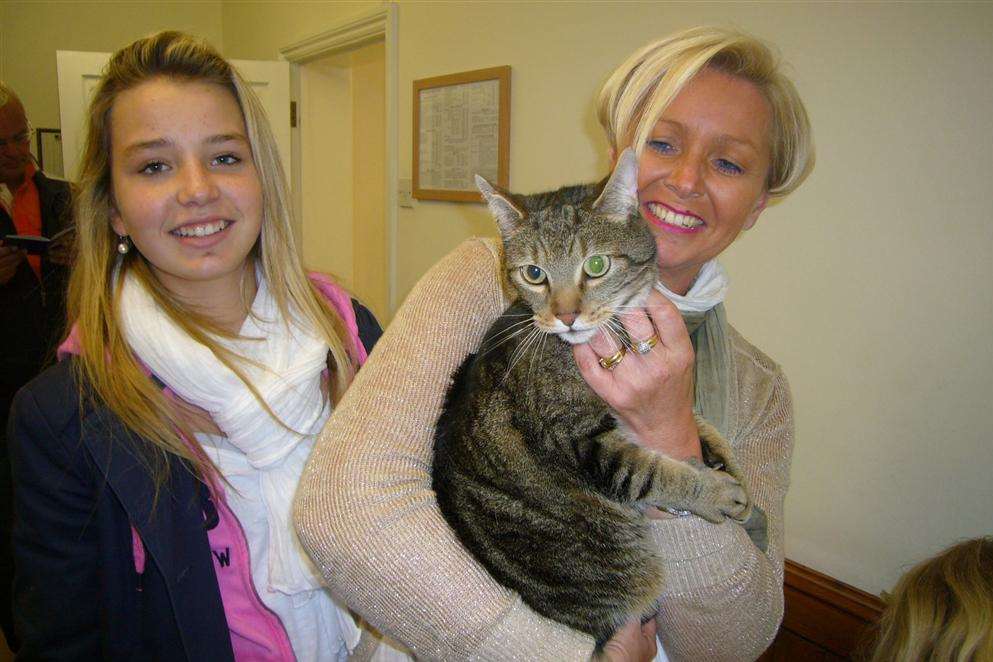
{"x": 32, "y": 291}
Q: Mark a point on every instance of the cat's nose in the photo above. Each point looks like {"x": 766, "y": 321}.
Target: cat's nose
{"x": 567, "y": 318}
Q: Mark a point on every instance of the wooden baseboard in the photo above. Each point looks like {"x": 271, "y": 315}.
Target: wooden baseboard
{"x": 824, "y": 619}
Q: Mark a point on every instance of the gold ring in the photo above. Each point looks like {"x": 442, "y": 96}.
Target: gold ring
{"x": 610, "y": 362}
{"x": 646, "y": 345}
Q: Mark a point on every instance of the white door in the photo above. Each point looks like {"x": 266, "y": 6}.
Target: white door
{"x": 343, "y": 200}
{"x": 79, "y": 73}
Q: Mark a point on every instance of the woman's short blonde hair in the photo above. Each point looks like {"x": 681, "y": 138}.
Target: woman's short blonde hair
{"x": 941, "y": 610}
{"x": 638, "y": 92}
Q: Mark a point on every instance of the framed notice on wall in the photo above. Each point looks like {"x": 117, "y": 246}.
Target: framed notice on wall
{"x": 461, "y": 129}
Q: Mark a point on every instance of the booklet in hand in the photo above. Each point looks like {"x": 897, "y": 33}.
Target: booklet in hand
{"x": 35, "y": 244}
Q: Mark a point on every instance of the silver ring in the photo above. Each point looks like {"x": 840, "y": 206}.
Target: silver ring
{"x": 646, "y": 345}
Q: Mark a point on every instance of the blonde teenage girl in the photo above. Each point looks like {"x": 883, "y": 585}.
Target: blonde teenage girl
{"x": 155, "y": 465}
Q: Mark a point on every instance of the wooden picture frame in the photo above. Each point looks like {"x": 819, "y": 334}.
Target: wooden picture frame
{"x": 461, "y": 128}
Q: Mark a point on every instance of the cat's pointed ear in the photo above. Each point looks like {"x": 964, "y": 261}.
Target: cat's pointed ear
{"x": 619, "y": 199}
{"x": 508, "y": 216}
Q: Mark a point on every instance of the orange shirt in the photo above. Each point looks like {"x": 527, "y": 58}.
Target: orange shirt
{"x": 27, "y": 213}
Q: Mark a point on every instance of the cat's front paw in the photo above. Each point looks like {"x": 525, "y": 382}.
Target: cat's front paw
{"x": 717, "y": 452}
{"x": 720, "y": 495}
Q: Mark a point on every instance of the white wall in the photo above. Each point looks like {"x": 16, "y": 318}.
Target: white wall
{"x": 874, "y": 287}
{"x": 31, "y": 32}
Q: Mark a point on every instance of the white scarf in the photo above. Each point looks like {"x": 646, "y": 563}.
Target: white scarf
{"x": 703, "y": 313}
{"x": 708, "y": 290}
{"x": 288, "y": 361}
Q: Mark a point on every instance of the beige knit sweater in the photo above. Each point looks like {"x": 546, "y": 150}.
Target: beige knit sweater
{"x": 366, "y": 512}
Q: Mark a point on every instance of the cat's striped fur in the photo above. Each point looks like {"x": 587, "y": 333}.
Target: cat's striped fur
{"x": 530, "y": 467}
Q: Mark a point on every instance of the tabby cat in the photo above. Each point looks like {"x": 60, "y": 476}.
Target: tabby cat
{"x": 530, "y": 467}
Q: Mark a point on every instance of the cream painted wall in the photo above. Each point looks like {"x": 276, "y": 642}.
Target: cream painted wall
{"x": 353, "y": 251}
{"x": 872, "y": 285}
{"x": 31, "y": 32}
{"x": 342, "y": 131}
{"x": 882, "y": 269}
{"x": 369, "y": 195}
{"x": 327, "y": 170}
{"x": 260, "y": 29}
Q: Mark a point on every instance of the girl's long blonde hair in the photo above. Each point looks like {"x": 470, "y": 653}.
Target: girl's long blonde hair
{"x": 107, "y": 370}
{"x": 942, "y": 609}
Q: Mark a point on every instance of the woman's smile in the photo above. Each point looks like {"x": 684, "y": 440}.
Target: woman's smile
{"x": 702, "y": 174}
{"x": 672, "y": 220}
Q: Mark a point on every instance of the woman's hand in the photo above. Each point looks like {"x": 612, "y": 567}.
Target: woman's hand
{"x": 651, "y": 393}
{"x": 634, "y": 642}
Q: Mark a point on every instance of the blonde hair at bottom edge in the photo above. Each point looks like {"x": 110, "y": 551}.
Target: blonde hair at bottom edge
{"x": 941, "y": 610}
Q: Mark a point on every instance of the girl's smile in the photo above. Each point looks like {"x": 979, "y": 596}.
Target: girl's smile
{"x": 185, "y": 186}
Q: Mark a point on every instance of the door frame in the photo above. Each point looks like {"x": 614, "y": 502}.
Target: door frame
{"x": 344, "y": 35}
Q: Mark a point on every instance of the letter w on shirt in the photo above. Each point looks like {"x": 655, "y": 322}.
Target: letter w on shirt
{"x": 223, "y": 558}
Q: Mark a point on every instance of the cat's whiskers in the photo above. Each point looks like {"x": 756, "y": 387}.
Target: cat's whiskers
{"x": 505, "y": 339}
{"x": 506, "y": 334}
{"x": 617, "y": 329}
{"x": 619, "y": 333}
{"x": 522, "y": 346}
{"x": 535, "y": 354}
{"x": 516, "y": 326}
{"x": 522, "y": 349}
{"x": 610, "y": 335}
{"x": 641, "y": 307}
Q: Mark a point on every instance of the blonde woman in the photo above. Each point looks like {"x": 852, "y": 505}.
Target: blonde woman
{"x": 941, "y": 610}
{"x": 719, "y": 132}
{"x": 154, "y": 466}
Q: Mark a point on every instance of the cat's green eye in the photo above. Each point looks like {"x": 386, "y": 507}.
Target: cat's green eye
{"x": 533, "y": 274}
{"x": 596, "y": 266}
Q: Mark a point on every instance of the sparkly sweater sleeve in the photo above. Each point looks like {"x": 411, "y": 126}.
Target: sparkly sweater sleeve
{"x": 723, "y": 597}
{"x": 365, "y": 509}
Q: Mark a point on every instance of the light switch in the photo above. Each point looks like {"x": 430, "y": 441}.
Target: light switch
{"x": 404, "y": 199}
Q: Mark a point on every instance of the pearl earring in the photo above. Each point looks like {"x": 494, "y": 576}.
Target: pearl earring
{"x": 123, "y": 245}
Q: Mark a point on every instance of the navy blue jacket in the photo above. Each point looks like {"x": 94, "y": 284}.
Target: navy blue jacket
{"x": 32, "y": 317}
{"x": 78, "y": 490}
{"x": 32, "y": 312}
